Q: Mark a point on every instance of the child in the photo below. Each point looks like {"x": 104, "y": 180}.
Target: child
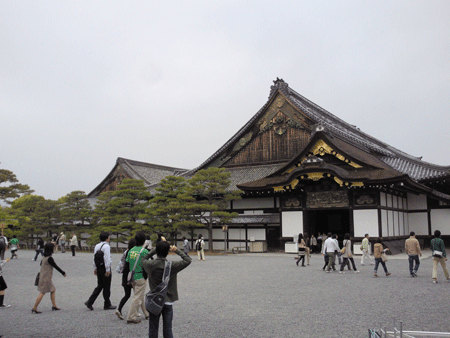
{"x": 2, "y": 281}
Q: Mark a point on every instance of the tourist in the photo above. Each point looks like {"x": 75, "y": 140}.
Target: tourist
{"x": 45, "y": 278}
{"x": 103, "y": 273}
{"x": 39, "y": 248}
{"x": 124, "y": 269}
{"x": 62, "y": 242}
{"x": 348, "y": 257}
{"x": 378, "y": 252}
{"x": 319, "y": 242}
{"x": 199, "y": 244}
{"x": 313, "y": 244}
{"x": 185, "y": 245}
{"x": 412, "y": 249}
{"x": 3, "y": 240}
{"x": 365, "y": 250}
{"x": 55, "y": 240}
{"x": 330, "y": 249}
{"x": 73, "y": 244}
{"x": 160, "y": 237}
{"x": 3, "y": 285}
{"x": 301, "y": 249}
{"x": 148, "y": 243}
{"x": 307, "y": 247}
{"x": 437, "y": 247}
{"x": 155, "y": 271}
{"x": 14, "y": 246}
{"x": 134, "y": 259}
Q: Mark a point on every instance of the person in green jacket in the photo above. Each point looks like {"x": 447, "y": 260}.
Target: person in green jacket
{"x": 14, "y": 246}
{"x": 155, "y": 271}
{"x": 437, "y": 247}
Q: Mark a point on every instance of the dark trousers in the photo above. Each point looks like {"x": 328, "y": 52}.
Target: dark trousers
{"x": 325, "y": 257}
{"x": 39, "y": 251}
{"x": 301, "y": 258}
{"x": 127, "y": 289}
{"x": 72, "y": 247}
{"x": 413, "y": 259}
{"x": 167, "y": 314}
{"x": 13, "y": 254}
{"x": 346, "y": 261}
{"x": 377, "y": 262}
{"x": 103, "y": 283}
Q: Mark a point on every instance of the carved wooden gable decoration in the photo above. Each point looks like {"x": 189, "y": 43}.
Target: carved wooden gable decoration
{"x": 281, "y": 133}
{"x": 114, "y": 179}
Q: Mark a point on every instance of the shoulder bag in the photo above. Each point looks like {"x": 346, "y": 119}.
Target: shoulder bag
{"x": 130, "y": 279}
{"x": 154, "y": 300}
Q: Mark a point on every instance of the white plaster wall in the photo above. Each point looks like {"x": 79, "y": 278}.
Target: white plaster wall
{"x": 366, "y": 221}
{"x": 384, "y": 223}
{"x": 440, "y": 220}
{"x": 258, "y": 234}
{"x": 383, "y": 199}
{"x": 254, "y": 203}
{"x": 218, "y": 234}
{"x": 396, "y": 225}
{"x": 418, "y": 222}
{"x": 391, "y": 229}
{"x": 389, "y": 200}
{"x": 395, "y": 201}
{"x": 291, "y": 223}
{"x": 236, "y": 234}
{"x": 417, "y": 202}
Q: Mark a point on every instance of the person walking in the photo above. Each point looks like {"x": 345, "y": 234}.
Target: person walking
{"x": 365, "y": 250}
{"x": 301, "y": 250}
{"x": 437, "y": 247}
{"x": 62, "y": 242}
{"x": 199, "y": 244}
{"x": 3, "y": 285}
{"x": 347, "y": 254}
{"x": 134, "y": 259}
{"x": 330, "y": 249}
{"x": 45, "y": 278}
{"x": 73, "y": 244}
{"x": 307, "y": 247}
{"x": 378, "y": 252}
{"x": 126, "y": 287}
{"x": 14, "y": 246}
{"x": 39, "y": 248}
{"x": 186, "y": 246}
{"x": 103, "y": 273}
{"x": 155, "y": 272}
{"x": 412, "y": 249}
{"x": 313, "y": 244}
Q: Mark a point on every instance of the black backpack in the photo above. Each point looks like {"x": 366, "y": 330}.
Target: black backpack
{"x": 198, "y": 246}
{"x": 99, "y": 258}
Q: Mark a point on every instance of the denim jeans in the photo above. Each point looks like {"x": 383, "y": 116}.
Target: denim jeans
{"x": 39, "y": 251}
{"x": 413, "y": 258}
{"x": 378, "y": 261}
{"x": 167, "y": 314}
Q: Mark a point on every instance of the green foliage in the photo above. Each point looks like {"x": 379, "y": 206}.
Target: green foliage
{"x": 211, "y": 189}
{"x": 118, "y": 212}
{"x": 35, "y": 215}
{"x": 10, "y": 188}
{"x": 170, "y": 209}
{"x": 76, "y": 212}
{"x": 7, "y": 218}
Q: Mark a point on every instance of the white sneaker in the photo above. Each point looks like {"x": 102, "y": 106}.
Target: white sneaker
{"x": 357, "y": 271}
{"x": 341, "y": 272}
{"x": 4, "y": 306}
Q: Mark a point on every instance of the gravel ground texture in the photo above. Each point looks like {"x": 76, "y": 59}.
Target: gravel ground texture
{"x": 242, "y": 295}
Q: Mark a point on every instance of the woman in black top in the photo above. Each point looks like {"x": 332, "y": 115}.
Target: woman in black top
{"x": 45, "y": 279}
{"x": 126, "y": 287}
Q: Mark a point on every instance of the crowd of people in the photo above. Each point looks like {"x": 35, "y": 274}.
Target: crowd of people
{"x": 331, "y": 252}
{"x": 139, "y": 268}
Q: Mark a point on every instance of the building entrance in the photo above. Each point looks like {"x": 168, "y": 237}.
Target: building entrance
{"x": 324, "y": 221}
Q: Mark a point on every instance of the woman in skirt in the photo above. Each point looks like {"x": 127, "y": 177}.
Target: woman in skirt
{"x": 45, "y": 279}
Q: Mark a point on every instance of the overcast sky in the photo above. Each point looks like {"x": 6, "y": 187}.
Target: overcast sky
{"x": 169, "y": 82}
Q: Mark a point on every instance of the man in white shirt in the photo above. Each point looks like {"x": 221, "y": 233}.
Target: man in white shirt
{"x": 365, "y": 250}
{"x": 102, "y": 269}
{"x": 329, "y": 248}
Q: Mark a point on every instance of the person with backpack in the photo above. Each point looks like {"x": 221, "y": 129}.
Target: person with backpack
{"x": 138, "y": 279}
{"x": 102, "y": 269}
{"x": 199, "y": 244}
{"x": 155, "y": 271}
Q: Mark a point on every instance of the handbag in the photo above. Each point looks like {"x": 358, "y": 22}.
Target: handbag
{"x": 130, "y": 279}
{"x": 384, "y": 257}
{"x": 36, "y": 281}
{"x": 154, "y": 300}
{"x": 437, "y": 254}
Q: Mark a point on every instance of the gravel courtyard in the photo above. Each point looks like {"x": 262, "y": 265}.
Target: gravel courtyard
{"x": 243, "y": 295}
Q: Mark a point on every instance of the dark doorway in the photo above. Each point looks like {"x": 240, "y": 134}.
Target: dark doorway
{"x": 324, "y": 221}
{"x": 273, "y": 237}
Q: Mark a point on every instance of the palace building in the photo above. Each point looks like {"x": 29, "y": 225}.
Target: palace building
{"x": 302, "y": 169}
